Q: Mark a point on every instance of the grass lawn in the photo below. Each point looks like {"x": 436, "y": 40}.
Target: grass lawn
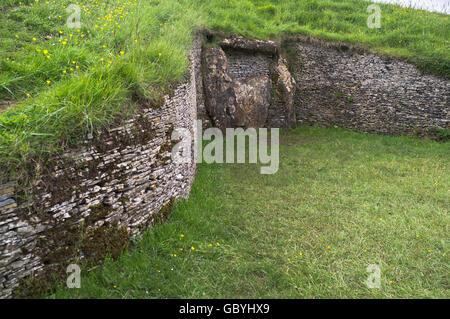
{"x": 65, "y": 83}
{"x": 339, "y": 202}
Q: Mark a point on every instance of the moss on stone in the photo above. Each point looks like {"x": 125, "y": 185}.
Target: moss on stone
{"x": 98, "y": 212}
{"x": 163, "y": 214}
{"x": 85, "y": 246}
{"x": 108, "y": 239}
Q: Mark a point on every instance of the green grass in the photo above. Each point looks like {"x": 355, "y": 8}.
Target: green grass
{"x": 82, "y": 83}
{"x": 370, "y": 199}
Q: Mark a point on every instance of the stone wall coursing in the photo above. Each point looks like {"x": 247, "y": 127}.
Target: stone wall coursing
{"x": 344, "y": 86}
{"x": 113, "y": 186}
{"x": 242, "y": 64}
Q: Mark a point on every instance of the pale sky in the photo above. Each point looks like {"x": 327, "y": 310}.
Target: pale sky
{"x": 431, "y": 5}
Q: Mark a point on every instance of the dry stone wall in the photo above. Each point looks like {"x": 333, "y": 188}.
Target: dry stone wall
{"x": 94, "y": 198}
{"x": 345, "y": 86}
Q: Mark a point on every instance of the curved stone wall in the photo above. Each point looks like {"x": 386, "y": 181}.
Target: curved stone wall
{"x": 345, "y": 86}
{"x": 94, "y": 198}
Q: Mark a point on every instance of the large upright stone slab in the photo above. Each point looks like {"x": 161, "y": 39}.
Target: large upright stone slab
{"x": 253, "y": 97}
{"x": 286, "y": 87}
{"x": 233, "y": 102}
{"x": 220, "y": 97}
